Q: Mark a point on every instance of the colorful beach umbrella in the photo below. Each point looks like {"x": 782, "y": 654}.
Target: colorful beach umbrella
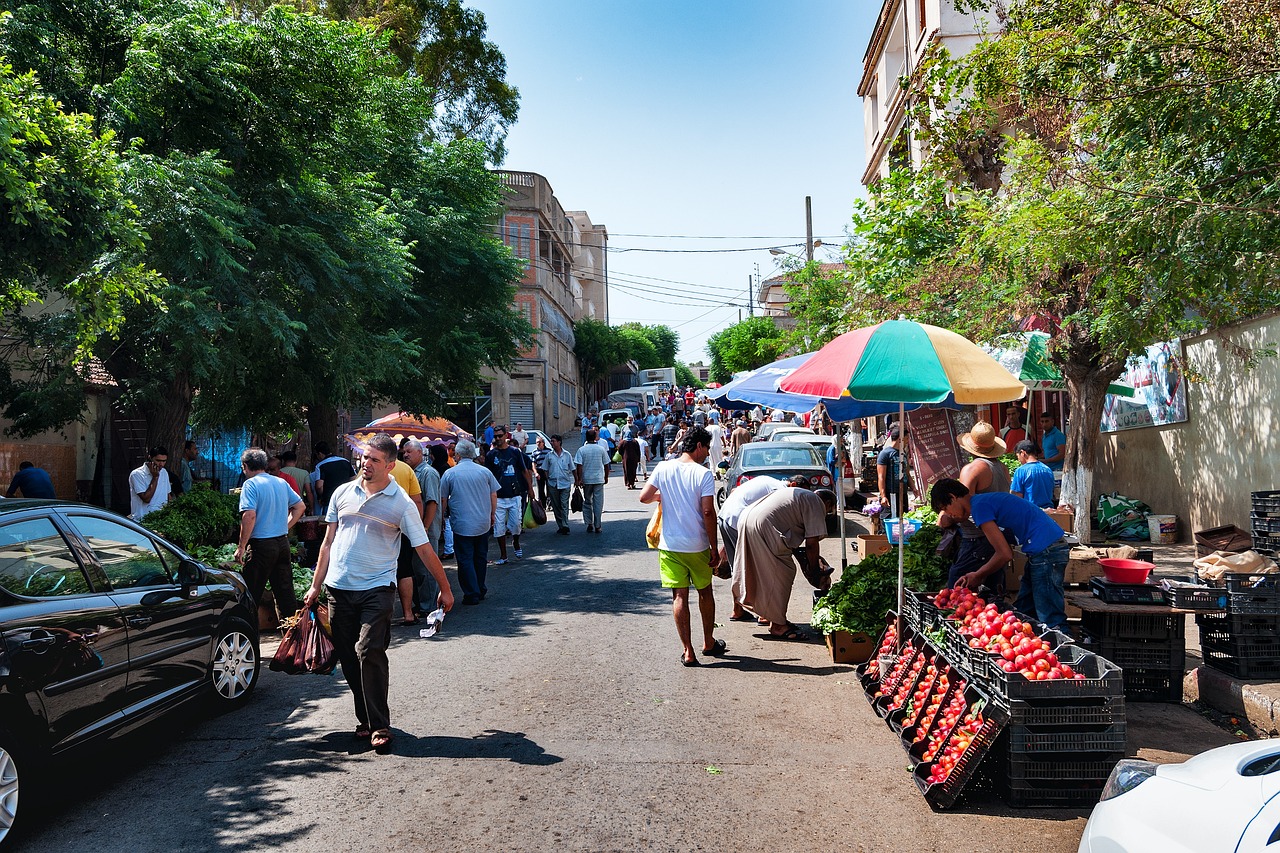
{"x": 1028, "y": 359}
{"x": 902, "y": 361}
{"x": 404, "y": 425}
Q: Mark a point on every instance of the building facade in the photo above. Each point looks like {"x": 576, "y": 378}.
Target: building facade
{"x": 565, "y": 279}
{"x": 904, "y": 32}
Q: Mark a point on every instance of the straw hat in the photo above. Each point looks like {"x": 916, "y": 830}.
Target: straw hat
{"x": 983, "y": 441}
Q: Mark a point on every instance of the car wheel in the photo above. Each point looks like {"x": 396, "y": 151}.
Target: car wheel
{"x": 12, "y": 763}
{"x": 233, "y": 672}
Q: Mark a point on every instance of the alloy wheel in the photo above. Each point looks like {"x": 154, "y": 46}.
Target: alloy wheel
{"x": 234, "y": 665}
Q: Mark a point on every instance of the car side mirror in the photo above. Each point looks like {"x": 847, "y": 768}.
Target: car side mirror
{"x": 190, "y": 573}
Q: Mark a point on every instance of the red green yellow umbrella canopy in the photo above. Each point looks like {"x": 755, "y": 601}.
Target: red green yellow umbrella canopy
{"x": 902, "y": 361}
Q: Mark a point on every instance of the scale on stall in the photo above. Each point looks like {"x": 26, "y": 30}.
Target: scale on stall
{"x": 1127, "y": 582}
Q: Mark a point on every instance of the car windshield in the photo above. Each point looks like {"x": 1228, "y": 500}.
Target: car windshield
{"x": 780, "y": 457}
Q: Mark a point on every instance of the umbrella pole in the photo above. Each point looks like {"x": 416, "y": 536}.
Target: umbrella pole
{"x": 844, "y": 544}
{"x": 902, "y": 511}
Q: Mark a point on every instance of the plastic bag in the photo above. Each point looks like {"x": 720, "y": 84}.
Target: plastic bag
{"x": 538, "y": 512}
{"x": 306, "y": 647}
{"x": 653, "y": 533}
{"x": 575, "y": 500}
{"x": 617, "y": 457}
{"x": 527, "y": 521}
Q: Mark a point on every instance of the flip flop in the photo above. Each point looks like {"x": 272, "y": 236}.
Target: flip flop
{"x": 408, "y": 621}
{"x": 743, "y": 617}
{"x": 362, "y": 732}
{"x": 791, "y": 635}
{"x": 693, "y": 661}
{"x": 718, "y": 648}
{"x": 381, "y": 739}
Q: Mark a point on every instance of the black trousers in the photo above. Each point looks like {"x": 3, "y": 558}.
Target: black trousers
{"x": 269, "y": 560}
{"x": 361, "y": 623}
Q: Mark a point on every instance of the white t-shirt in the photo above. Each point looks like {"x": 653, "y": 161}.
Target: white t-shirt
{"x": 744, "y": 496}
{"x": 139, "y": 482}
{"x": 683, "y": 485}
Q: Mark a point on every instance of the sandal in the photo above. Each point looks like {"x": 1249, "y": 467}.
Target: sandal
{"x": 381, "y": 738}
{"x": 693, "y": 661}
{"x": 743, "y": 617}
{"x": 718, "y": 648}
{"x": 793, "y": 634}
{"x": 363, "y": 732}
{"x": 409, "y": 621}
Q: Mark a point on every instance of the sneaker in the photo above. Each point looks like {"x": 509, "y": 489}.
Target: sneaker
{"x": 501, "y": 562}
{"x": 519, "y": 553}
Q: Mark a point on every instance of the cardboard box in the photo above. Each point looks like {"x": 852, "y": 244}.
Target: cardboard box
{"x": 1066, "y": 518}
{"x": 1014, "y": 571}
{"x": 1081, "y": 566}
{"x": 850, "y": 648}
{"x": 870, "y": 544}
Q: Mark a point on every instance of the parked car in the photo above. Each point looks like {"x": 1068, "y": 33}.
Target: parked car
{"x": 534, "y": 435}
{"x": 1224, "y": 799}
{"x": 779, "y": 459}
{"x": 772, "y": 430}
{"x": 821, "y": 443}
{"x": 105, "y": 625}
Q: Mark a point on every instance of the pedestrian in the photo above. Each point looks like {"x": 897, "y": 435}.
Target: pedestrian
{"x": 1033, "y": 480}
{"x": 269, "y": 507}
{"x": 560, "y": 479}
{"x": 985, "y": 474}
{"x": 889, "y": 472}
{"x": 425, "y": 590}
{"x": 149, "y": 484}
{"x": 510, "y": 467}
{"x": 487, "y": 438}
{"x": 644, "y": 459}
{"x": 469, "y": 499}
{"x": 403, "y": 474}
{"x": 729, "y": 518}
{"x": 1039, "y": 536}
{"x": 1013, "y": 431}
{"x": 330, "y": 473}
{"x": 591, "y": 465}
{"x": 629, "y": 450}
{"x": 289, "y": 465}
{"x": 717, "y": 447}
{"x": 275, "y": 467}
{"x": 539, "y": 457}
{"x": 519, "y": 437}
{"x": 442, "y": 462}
{"x": 740, "y": 438}
{"x": 670, "y": 430}
{"x": 1053, "y": 445}
{"x": 769, "y": 535}
{"x": 687, "y": 550}
{"x": 186, "y": 467}
{"x": 33, "y": 482}
{"x": 357, "y": 566}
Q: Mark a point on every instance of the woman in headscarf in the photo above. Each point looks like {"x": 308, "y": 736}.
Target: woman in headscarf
{"x": 630, "y": 450}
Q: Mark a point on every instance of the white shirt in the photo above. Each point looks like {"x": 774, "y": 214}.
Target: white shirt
{"x": 682, "y": 486}
{"x": 744, "y": 496}
{"x": 139, "y": 482}
{"x": 593, "y": 458}
{"x": 521, "y": 437}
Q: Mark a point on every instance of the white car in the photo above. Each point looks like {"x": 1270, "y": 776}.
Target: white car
{"x": 773, "y": 431}
{"x": 1226, "y": 799}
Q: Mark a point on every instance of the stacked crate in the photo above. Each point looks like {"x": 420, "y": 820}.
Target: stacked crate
{"x": 1150, "y": 648}
{"x": 1063, "y": 737}
{"x": 1246, "y": 641}
{"x": 1265, "y": 523}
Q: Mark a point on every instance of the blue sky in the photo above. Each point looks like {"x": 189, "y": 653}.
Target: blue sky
{"x": 702, "y": 118}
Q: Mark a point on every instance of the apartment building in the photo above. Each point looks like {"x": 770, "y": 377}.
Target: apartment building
{"x": 565, "y": 279}
{"x": 904, "y": 32}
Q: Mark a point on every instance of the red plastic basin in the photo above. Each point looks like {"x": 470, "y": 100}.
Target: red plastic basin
{"x": 1126, "y": 571}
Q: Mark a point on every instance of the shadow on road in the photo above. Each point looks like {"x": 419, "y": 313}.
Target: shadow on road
{"x": 515, "y": 747}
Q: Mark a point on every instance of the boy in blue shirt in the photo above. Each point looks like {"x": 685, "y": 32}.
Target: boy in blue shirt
{"x": 1039, "y": 536}
{"x": 1033, "y": 480}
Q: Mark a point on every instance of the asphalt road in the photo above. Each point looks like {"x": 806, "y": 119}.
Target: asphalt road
{"x": 555, "y": 715}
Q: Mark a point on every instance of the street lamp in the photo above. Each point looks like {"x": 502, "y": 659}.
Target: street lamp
{"x": 815, "y": 244}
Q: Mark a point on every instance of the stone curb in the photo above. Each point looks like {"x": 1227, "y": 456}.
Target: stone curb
{"x": 1254, "y": 701}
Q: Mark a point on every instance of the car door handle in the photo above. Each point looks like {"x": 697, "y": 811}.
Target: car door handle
{"x": 139, "y": 621}
{"x": 39, "y": 643}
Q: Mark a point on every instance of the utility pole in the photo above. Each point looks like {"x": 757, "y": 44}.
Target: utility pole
{"x": 808, "y": 228}
{"x": 751, "y": 297}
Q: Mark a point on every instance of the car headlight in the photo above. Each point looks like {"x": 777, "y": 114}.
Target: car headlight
{"x": 1126, "y": 776}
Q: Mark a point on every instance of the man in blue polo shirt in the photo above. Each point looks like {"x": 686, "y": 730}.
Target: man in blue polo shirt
{"x": 268, "y": 507}
{"x": 357, "y": 566}
{"x": 33, "y": 482}
{"x": 1039, "y": 536}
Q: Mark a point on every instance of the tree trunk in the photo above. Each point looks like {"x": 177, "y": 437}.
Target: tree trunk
{"x": 167, "y": 421}
{"x": 1087, "y": 397}
{"x": 323, "y": 420}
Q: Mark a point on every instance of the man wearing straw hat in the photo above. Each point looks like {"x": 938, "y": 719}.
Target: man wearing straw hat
{"x": 984, "y": 475}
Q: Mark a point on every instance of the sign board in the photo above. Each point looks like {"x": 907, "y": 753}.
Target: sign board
{"x": 1159, "y": 391}
{"x": 933, "y": 448}
{"x": 658, "y": 376}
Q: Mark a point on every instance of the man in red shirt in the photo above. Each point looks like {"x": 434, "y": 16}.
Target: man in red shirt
{"x": 273, "y": 468}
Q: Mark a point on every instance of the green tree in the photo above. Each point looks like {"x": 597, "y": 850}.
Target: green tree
{"x": 639, "y": 348}
{"x": 685, "y": 377}
{"x": 598, "y": 347}
{"x": 752, "y": 343}
{"x": 1108, "y": 166}
{"x": 665, "y": 341}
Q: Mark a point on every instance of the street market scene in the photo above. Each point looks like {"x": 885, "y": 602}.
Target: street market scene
{"x": 360, "y": 493}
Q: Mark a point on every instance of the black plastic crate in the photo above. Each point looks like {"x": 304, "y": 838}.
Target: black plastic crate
{"x": 1260, "y": 625}
{"x": 1025, "y": 740}
{"x": 944, "y": 794}
{"x": 1054, "y": 712}
{"x": 1153, "y": 685}
{"x": 1030, "y": 795}
{"x": 1064, "y": 768}
{"x": 1141, "y": 654}
{"x": 1264, "y": 523}
{"x": 1266, "y": 502}
{"x": 1135, "y": 626}
{"x": 1198, "y": 597}
{"x": 1102, "y": 679}
{"x": 1242, "y": 657}
{"x": 1268, "y": 584}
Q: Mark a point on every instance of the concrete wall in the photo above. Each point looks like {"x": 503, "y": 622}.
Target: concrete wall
{"x": 1203, "y": 470}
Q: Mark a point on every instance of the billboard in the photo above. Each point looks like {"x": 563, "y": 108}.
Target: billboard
{"x": 1159, "y": 391}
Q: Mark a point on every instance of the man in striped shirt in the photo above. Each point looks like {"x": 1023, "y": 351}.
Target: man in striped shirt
{"x": 357, "y": 566}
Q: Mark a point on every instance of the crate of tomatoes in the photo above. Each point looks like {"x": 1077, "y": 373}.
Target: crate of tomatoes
{"x": 955, "y": 746}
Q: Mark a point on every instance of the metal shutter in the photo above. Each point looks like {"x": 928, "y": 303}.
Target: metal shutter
{"x": 520, "y": 411}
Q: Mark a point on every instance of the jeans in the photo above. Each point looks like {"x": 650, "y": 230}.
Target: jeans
{"x": 1041, "y": 592}
{"x": 560, "y": 506}
{"x": 448, "y": 538}
{"x": 425, "y": 589}
{"x": 592, "y": 503}
{"x": 472, "y": 553}
{"x": 361, "y": 624}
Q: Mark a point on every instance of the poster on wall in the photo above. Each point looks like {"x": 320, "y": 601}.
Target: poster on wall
{"x": 1159, "y": 391}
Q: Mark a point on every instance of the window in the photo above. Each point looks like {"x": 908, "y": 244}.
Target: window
{"x": 36, "y": 561}
{"x": 129, "y": 558}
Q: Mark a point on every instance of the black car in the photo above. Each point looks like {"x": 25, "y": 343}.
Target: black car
{"x": 105, "y": 625}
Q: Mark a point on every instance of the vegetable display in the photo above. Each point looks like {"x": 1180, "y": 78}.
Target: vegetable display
{"x": 858, "y": 601}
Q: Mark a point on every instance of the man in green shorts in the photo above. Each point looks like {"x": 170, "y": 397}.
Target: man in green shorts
{"x": 687, "y": 552}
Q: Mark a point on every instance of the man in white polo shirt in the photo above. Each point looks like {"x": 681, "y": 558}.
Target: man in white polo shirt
{"x": 357, "y": 566}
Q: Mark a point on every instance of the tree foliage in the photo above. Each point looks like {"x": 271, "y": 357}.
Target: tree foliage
{"x": 752, "y": 343}
{"x": 598, "y": 348}
{"x": 665, "y": 341}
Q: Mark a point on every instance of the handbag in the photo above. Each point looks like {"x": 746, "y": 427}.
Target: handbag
{"x": 575, "y": 500}
{"x": 319, "y": 655}
{"x": 653, "y": 533}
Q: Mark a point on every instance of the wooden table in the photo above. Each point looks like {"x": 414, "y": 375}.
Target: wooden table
{"x": 1087, "y": 601}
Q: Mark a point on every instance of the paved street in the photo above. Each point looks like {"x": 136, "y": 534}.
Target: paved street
{"x": 556, "y": 716}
